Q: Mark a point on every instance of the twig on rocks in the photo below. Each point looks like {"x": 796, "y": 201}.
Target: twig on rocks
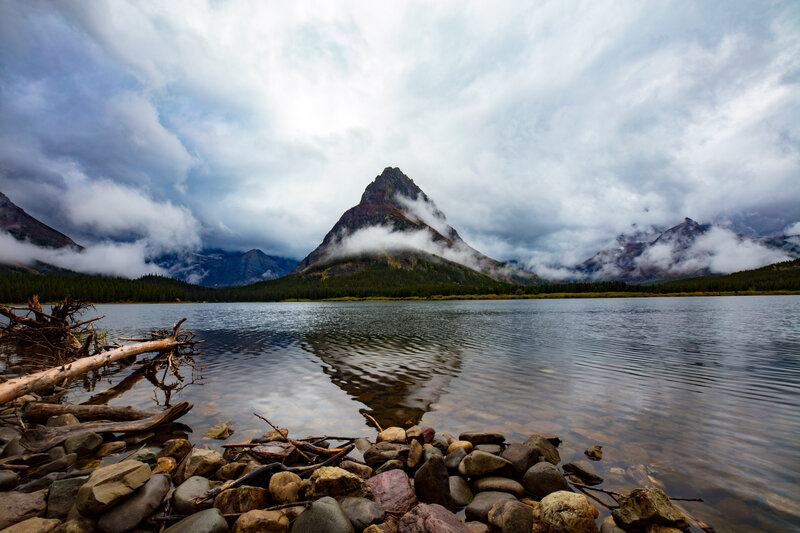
{"x": 374, "y": 422}
{"x": 285, "y": 437}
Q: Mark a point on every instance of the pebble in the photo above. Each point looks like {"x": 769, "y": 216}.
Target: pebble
{"x": 392, "y": 434}
{"x": 107, "y": 448}
{"x": 285, "y": 487}
{"x": 460, "y": 491}
{"x": 454, "y": 459}
{"x": 489, "y": 448}
{"x": 362, "y": 471}
{"x": 67, "y": 419}
{"x": 465, "y": 444}
{"x": 482, "y": 464}
{"x": 498, "y": 484}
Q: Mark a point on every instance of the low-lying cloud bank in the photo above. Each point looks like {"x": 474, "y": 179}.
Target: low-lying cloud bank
{"x": 106, "y": 258}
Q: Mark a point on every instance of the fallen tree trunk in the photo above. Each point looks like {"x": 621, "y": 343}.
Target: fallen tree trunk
{"x": 46, "y": 379}
{"x": 41, "y": 439}
{"x": 42, "y": 411}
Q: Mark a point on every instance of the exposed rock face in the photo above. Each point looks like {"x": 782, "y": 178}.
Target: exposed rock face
{"x": 22, "y": 226}
{"x": 567, "y": 511}
{"x": 110, "y": 484}
{"x": 650, "y": 506}
{"x": 431, "y": 518}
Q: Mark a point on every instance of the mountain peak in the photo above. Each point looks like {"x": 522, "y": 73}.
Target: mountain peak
{"x": 22, "y": 226}
{"x": 387, "y": 186}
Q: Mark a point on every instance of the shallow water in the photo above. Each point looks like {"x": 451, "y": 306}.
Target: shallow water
{"x": 705, "y": 392}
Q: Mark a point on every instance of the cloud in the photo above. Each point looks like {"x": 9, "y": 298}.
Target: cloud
{"x": 720, "y": 251}
{"x": 424, "y": 210}
{"x": 792, "y": 229}
{"x": 542, "y": 130}
{"x": 106, "y": 258}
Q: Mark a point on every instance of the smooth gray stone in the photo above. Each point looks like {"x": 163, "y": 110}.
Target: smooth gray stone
{"x": 8, "y": 480}
{"x": 362, "y": 512}
{"x": 483, "y": 502}
{"x": 544, "y": 478}
{"x": 185, "y": 494}
{"x": 460, "y": 491}
{"x": 208, "y": 521}
{"x": 454, "y": 458}
{"x": 126, "y": 515}
{"x": 83, "y": 443}
{"x": 62, "y": 496}
{"x": 432, "y": 484}
{"x": 325, "y": 515}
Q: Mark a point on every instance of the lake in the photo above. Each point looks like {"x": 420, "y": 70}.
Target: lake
{"x": 705, "y": 392}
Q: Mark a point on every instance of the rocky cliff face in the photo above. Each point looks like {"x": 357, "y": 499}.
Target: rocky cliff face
{"x": 24, "y": 227}
{"x": 221, "y": 268}
{"x": 397, "y": 220}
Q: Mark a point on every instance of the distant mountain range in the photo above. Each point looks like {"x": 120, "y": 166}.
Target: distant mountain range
{"x": 682, "y": 251}
{"x": 396, "y": 223}
{"x": 396, "y": 238}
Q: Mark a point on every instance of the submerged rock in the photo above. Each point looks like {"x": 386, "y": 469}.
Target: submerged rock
{"x": 595, "y": 453}
{"x": 219, "y": 431}
{"x": 584, "y": 471}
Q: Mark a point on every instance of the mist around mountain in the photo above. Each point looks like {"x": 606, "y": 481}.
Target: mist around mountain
{"x": 23, "y": 227}
{"x": 397, "y": 223}
{"x": 685, "y": 250}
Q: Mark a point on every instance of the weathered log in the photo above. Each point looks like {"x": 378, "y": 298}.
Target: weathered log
{"x": 44, "y": 438}
{"x": 41, "y": 411}
{"x": 14, "y": 388}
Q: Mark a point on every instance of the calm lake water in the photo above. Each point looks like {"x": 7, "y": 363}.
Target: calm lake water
{"x": 705, "y": 392}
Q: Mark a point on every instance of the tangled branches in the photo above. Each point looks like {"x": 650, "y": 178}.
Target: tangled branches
{"x": 49, "y": 339}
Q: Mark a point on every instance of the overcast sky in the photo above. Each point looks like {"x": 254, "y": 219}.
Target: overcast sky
{"x": 541, "y": 129}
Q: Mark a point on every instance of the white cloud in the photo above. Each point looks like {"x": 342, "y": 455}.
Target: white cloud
{"x": 792, "y": 229}
{"x": 106, "y": 258}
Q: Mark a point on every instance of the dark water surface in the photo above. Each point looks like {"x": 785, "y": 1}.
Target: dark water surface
{"x": 705, "y": 392}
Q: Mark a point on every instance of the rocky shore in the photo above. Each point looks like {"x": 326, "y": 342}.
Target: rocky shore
{"x": 408, "y": 480}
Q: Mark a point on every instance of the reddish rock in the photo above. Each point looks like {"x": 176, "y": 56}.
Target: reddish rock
{"x": 433, "y": 518}
{"x": 392, "y": 491}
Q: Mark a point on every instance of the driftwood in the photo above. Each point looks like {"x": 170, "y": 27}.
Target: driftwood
{"x": 44, "y": 438}
{"x": 15, "y": 388}
{"x": 41, "y": 411}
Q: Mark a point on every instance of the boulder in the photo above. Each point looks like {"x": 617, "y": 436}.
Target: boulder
{"x": 108, "y": 485}
{"x": 34, "y": 525}
{"x": 175, "y": 448}
{"x": 200, "y": 462}
{"x": 499, "y": 484}
{"x": 480, "y": 506}
{"x": 584, "y": 471}
{"x": 431, "y": 518}
{"x": 392, "y": 434}
{"x": 241, "y": 499}
{"x": 432, "y": 484}
{"x": 325, "y": 515}
{"x": 392, "y": 491}
{"x": 568, "y": 511}
{"x": 335, "y": 481}
{"x": 83, "y": 444}
{"x": 542, "y": 444}
{"x": 362, "y": 512}
{"x": 511, "y": 516}
{"x": 61, "y": 496}
{"x": 520, "y": 456}
{"x": 362, "y": 471}
{"x": 260, "y": 521}
{"x": 482, "y": 437}
{"x": 18, "y": 506}
{"x": 642, "y": 507}
{"x": 460, "y": 491}
{"x": 208, "y": 521}
{"x": 542, "y": 479}
{"x": 183, "y": 499}
{"x": 381, "y": 452}
{"x": 127, "y": 514}
{"x": 479, "y": 464}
